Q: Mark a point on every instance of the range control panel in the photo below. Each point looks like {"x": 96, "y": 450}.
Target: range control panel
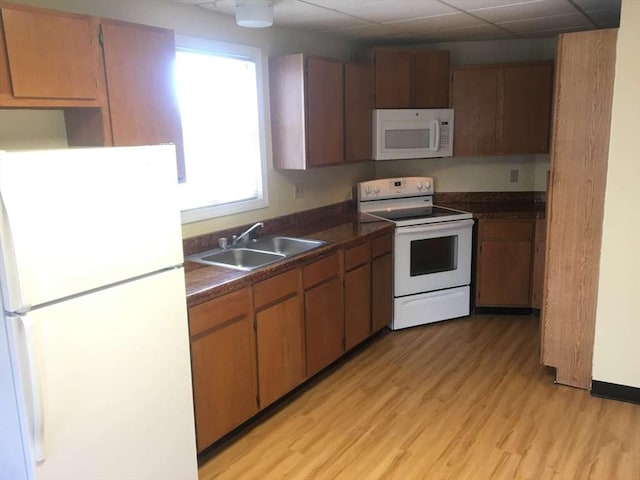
{"x": 395, "y": 188}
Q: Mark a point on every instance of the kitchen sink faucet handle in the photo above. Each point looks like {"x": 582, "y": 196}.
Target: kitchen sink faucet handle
{"x": 222, "y": 243}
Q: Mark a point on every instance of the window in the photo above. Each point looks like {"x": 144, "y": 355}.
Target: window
{"x": 220, "y": 96}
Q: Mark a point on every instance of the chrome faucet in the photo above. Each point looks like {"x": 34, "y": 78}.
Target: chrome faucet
{"x": 237, "y": 239}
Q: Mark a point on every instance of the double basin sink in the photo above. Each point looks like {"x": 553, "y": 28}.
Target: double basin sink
{"x": 256, "y": 253}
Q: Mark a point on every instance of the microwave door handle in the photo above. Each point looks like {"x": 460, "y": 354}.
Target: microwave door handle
{"x": 435, "y": 136}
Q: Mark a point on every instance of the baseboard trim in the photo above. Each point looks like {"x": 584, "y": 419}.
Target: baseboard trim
{"x": 614, "y": 391}
{"x": 505, "y": 311}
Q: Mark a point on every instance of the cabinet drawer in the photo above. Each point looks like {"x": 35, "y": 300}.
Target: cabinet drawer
{"x": 381, "y": 245}
{"x": 217, "y": 311}
{"x": 275, "y": 288}
{"x": 357, "y": 255}
{"x": 321, "y": 270}
{"x": 506, "y": 229}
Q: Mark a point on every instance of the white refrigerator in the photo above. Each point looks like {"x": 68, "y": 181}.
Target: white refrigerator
{"x": 95, "y": 378}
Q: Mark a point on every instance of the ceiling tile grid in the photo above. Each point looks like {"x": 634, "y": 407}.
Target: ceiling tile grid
{"x": 411, "y": 21}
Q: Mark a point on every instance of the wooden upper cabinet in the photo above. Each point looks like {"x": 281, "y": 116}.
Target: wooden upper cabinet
{"x": 431, "y": 79}
{"x": 325, "y": 111}
{"x": 307, "y": 111}
{"x": 411, "y": 78}
{"x": 139, "y": 65}
{"x": 502, "y": 109}
{"x": 393, "y": 78}
{"x": 474, "y": 98}
{"x": 49, "y": 58}
{"x": 526, "y": 112}
{"x": 358, "y": 104}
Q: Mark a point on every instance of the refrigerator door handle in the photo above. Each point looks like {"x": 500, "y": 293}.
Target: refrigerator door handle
{"x": 34, "y": 387}
{"x": 12, "y": 291}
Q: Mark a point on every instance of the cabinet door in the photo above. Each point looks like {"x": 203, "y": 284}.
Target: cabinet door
{"x": 474, "y": 99}
{"x": 280, "y": 339}
{"x": 381, "y": 291}
{"x": 139, "y": 63}
{"x": 537, "y": 275}
{"x": 504, "y": 263}
{"x": 325, "y": 108}
{"x": 223, "y": 363}
{"x": 393, "y": 78}
{"x": 52, "y": 55}
{"x": 324, "y": 315}
{"x": 431, "y": 79}
{"x": 526, "y": 113}
{"x": 358, "y": 99}
{"x": 357, "y": 305}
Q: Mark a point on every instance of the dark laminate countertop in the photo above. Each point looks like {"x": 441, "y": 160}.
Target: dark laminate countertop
{"x": 206, "y": 282}
{"x": 499, "y": 210}
{"x": 496, "y": 205}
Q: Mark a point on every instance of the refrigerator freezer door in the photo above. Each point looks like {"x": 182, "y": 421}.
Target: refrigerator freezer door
{"x": 15, "y": 462}
{"x": 74, "y": 220}
{"x": 115, "y": 383}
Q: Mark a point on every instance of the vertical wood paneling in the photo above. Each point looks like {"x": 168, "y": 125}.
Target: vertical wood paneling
{"x": 582, "y": 115}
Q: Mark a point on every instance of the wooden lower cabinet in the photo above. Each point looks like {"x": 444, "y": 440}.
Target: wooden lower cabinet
{"x": 279, "y": 336}
{"x": 537, "y": 275}
{"x": 223, "y": 363}
{"x": 252, "y": 346}
{"x": 357, "y": 294}
{"x": 381, "y": 282}
{"x": 324, "y": 312}
{"x": 503, "y": 277}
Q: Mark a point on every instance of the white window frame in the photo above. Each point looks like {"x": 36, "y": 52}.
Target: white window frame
{"x": 206, "y": 212}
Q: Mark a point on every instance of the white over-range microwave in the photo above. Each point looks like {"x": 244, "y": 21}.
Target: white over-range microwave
{"x": 412, "y": 133}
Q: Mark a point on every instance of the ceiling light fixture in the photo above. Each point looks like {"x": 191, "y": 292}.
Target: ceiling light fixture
{"x": 254, "y": 13}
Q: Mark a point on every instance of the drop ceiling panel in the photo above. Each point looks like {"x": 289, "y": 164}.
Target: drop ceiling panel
{"x": 476, "y": 32}
{"x": 439, "y": 22}
{"x": 398, "y": 11}
{"x": 436, "y": 20}
{"x": 605, "y": 18}
{"x": 476, "y": 4}
{"x": 555, "y": 23}
{"x": 592, "y": 5}
{"x": 521, "y": 11}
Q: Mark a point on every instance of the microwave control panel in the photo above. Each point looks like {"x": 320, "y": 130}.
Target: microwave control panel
{"x": 444, "y": 134}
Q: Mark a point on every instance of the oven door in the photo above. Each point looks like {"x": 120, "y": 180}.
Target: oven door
{"x": 432, "y": 256}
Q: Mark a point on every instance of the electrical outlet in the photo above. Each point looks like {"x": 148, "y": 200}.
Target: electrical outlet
{"x": 513, "y": 175}
{"x": 299, "y": 191}
{"x": 349, "y": 195}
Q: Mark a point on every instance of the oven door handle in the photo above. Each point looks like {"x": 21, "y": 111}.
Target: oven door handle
{"x": 435, "y": 227}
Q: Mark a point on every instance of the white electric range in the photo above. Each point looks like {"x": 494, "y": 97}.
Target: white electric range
{"x": 432, "y": 249}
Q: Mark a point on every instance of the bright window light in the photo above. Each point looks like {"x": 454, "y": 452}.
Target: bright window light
{"x": 221, "y": 107}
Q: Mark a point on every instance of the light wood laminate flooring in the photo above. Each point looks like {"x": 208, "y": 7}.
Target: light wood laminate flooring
{"x": 463, "y": 399}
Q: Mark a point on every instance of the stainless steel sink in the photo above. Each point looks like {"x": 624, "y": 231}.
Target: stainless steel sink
{"x": 288, "y": 246}
{"x": 237, "y": 258}
{"x": 257, "y": 253}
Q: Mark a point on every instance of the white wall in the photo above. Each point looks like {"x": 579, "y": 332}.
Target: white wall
{"x": 616, "y": 357}
{"x": 474, "y": 174}
{"x": 29, "y": 129}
